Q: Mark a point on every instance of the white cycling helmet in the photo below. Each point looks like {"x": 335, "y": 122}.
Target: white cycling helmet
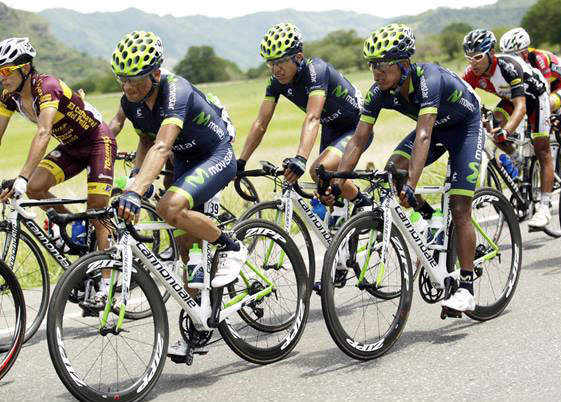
{"x": 515, "y": 40}
{"x": 16, "y": 51}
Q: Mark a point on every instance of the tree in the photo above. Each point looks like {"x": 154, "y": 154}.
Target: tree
{"x": 341, "y": 48}
{"x": 542, "y": 22}
{"x": 452, "y": 37}
{"x": 200, "y": 64}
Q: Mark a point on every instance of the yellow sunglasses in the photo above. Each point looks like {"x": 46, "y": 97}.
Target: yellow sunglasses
{"x": 6, "y": 71}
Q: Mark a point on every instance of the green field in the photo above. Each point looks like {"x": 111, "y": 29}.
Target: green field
{"x": 242, "y": 99}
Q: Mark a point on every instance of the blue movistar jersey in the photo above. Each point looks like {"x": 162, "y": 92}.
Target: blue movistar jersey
{"x": 432, "y": 90}
{"x": 181, "y": 104}
{"x": 316, "y": 77}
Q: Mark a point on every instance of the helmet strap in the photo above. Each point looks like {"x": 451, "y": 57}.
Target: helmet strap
{"x": 404, "y": 75}
{"x": 24, "y": 78}
{"x": 152, "y": 88}
{"x": 490, "y": 62}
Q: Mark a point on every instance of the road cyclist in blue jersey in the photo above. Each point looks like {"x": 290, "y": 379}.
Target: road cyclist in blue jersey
{"x": 448, "y": 118}
{"x": 329, "y": 100}
{"x": 174, "y": 118}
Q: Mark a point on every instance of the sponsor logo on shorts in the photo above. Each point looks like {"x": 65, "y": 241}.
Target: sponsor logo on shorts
{"x": 55, "y": 154}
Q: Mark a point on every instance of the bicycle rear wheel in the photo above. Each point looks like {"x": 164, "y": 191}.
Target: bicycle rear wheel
{"x": 96, "y": 362}
{"x": 553, "y": 229}
{"x": 12, "y": 318}
{"x": 366, "y": 313}
{"x": 499, "y": 255}
{"x": 268, "y": 328}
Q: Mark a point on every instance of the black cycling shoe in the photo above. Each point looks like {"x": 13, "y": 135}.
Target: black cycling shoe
{"x": 92, "y": 306}
{"x": 339, "y": 282}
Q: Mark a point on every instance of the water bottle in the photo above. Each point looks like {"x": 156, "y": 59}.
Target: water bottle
{"x": 436, "y": 223}
{"x": 337, "y": 217}
{"x": 318, "y": 208}
{"x": 508, "y": 165}
{"x": 419, "y": 224}
{"x": 195, "y": 271}
{"x": 79, "y": 232}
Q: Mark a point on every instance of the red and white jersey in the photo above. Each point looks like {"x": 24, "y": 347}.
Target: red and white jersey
{"x": 509, "y": 77}
{"x": 548, "y": 64}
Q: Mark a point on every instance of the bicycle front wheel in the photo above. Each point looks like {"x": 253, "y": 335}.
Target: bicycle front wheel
{"x": 267, "y": 329}
{"x": 96, "y": 361}
{"x": 553, "y": 229}
{"x": 498, "y": 253}
{"x": 366, "y": 311}
{"x": 12, "y": 318}
{"x": 32, "y": 274}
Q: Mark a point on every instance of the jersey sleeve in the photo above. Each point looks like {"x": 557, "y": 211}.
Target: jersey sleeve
{"x": 543, "y": 64}
{"x": 372, "y": 105}
{"x": 318, "y": 78}
{"x": 7, "y": 105}
{"x": 50, "y": 90}
{"x": 513, "y": 74}
{"x": 430, "y": 82}
{"x": 272, "y": 92}
{"x": 177, "y": 94}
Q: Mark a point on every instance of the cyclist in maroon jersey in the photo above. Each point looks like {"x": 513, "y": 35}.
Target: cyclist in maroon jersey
{"x": 85, "y": 140}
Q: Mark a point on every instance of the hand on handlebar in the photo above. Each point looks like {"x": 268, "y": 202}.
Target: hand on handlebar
{"x": 407, "y": 196}
{"x": 330, "y": 196}
{"x": 129, "y": 206}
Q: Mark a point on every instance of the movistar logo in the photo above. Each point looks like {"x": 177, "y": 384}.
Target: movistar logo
{"x": 340, "y": 92}
{"x": 455, "y": 96}
{"x": 472, "y": 178}
{"x": 172, "y": 78}
{"x": 202, "y": 118}
{"x": 197, "y": 178}
{"x": 368, "y": 98}
{"x": 420, "y": 71}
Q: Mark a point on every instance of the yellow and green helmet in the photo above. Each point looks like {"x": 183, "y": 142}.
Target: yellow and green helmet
{"x": 390, "y": 42}
{"x": 282, "y": 40}
{"x": 137, "y": 53}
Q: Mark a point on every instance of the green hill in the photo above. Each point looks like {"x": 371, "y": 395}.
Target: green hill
{"x": 53, "y": 56}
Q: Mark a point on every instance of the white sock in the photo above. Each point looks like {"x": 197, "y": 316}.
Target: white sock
{"x": 546, "y": 197}
{"x": 105, "y": 283}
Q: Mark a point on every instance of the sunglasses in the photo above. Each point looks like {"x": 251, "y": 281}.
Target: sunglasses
{"x": 381, "y": 66}
{"x": 475, "y": 59}
{"x": 7, "y": 71}
{"x": 273, "y": 63}
{"x": 131, "y": 80}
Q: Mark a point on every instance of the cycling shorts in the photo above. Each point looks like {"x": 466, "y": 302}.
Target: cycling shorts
{"x": 465, "y": 152}
{"x": 97, "y": 155}
{"x": 537, "y": 110}
{"x": 199, "y": 180}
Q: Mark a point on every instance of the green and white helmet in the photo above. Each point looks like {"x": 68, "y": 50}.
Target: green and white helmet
{"x": 390, "y": 42}
{"x": 282, "y": 40}
{"x": 138, "y": 53}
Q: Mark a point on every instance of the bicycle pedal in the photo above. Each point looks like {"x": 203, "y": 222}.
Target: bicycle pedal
{"x": 201, "y": 352}
{"x": 451, "y": 313}
{"x": 532, "y": 229}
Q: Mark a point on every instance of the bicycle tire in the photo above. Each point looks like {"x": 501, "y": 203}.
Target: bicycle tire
{"x": 11, "y": 337}
{"x": 83, "y": 334}
{"x": 492, "y": 179}
{"x": 36, "y": 273}
{"x": 492, "y": 202}
{"x": 335, "y": 318}
{"x": 243, "y": 337}
{"x": 257, "y": 211}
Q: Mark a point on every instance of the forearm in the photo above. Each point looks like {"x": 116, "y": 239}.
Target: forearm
{"x": 308, "y": 136}
{"x": 351, "y": 156}
{"x": 37, "y": 151}
{"x": 141, "y": 151}
{"x": 253, "y": 140}
{"x": 154, "y": 161}
{"x": 418, "y": 157}
{"x": 115, "y": 125}
{"x": 517, "y": 116}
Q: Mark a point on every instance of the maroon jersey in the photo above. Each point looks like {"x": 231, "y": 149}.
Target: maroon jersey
{"x": 75, "y": 119}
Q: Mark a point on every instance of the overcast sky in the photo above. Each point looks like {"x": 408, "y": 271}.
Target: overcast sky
{"x": 229, "y": 9}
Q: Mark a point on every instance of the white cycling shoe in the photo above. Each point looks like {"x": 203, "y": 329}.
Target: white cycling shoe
{"x": 179, "y": 349}
{"x": 541, "y": 218}
{"x": 230, "y": 264}
{"x": 461, "y": 300}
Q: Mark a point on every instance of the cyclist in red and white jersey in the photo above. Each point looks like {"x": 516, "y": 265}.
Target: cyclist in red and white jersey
{"x": 524, "y": 92}
{"x": 517, "y": 42}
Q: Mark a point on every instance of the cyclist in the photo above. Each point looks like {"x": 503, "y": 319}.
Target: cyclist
{"x": 448, "y": 119}
{"x": 517, "y": 42}
{"x": 523, "y": 91}
{"x": 325, "y": 95}
{"x": 85, "y": 140}
{"x": 182, "y": 121}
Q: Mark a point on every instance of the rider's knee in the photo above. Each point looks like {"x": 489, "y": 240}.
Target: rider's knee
{"x": 400, "y": 162}
{"x": 36, "y": 190}
{"x": 170, "y": 208}
{"x": 460, "y": 207}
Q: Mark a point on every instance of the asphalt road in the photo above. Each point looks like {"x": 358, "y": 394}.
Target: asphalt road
{"x": 516, "y": 357}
